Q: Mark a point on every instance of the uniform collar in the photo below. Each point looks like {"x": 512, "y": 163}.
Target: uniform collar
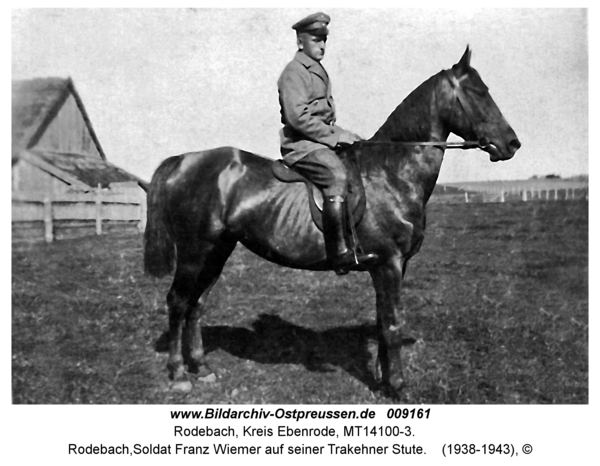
{"x": 311, "y": 64}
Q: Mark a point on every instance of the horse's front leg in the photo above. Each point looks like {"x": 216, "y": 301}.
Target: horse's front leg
{"x": 387, "y": 279}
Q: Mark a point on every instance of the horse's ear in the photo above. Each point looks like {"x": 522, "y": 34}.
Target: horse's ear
{"x": 465, "y": 61}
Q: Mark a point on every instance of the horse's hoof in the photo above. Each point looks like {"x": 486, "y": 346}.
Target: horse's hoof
{"x": 210, "y": 378}
{"x": 394, "y": 390}
{"x": 200, "y": 370}
{"x": 183, "y": 386}
{"x": 399, "y": 385}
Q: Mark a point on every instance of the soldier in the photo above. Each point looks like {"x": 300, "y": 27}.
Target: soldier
{"x": 309, "y": 135}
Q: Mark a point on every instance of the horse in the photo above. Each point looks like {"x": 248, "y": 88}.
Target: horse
{"x": 201, "y": 204}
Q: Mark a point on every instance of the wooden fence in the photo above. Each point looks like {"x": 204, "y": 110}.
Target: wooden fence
{"x": 74, "y": 214}
{"x": 511, "y": 195}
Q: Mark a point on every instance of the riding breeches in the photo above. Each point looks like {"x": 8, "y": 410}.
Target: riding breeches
{"x": 324, "y": 168}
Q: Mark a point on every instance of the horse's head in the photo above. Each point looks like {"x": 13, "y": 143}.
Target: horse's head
{"x": 475, "y": 115}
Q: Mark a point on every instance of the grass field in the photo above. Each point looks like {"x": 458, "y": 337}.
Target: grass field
{"x": 497, "y": 301}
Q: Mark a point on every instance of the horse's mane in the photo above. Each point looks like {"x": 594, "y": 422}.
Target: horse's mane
{"x": 410, "y": 121}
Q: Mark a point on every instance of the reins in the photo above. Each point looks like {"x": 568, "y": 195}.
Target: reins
{"x": 481, "y": 144}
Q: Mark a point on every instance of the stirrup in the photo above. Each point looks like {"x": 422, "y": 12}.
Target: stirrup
{"x": 353, "y": 261}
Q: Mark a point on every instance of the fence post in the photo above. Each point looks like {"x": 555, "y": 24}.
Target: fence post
{"x": 48, "y": 234}
{"x": 99, "y": 209}
{"x": 502, "y": 196}
{"x": 142, "y": 224}
{"x": 466, "y": 197}
{"x": 524, "y": 195}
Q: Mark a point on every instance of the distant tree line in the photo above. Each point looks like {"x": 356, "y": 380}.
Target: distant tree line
{"x": 553, "y": 176}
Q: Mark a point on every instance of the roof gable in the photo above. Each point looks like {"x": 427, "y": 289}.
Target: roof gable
{"x": 35, "y": 102}
{"x": 35, "y": 105}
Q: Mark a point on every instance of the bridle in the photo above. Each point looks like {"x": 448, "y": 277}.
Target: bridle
{"x": 467, "y": 109}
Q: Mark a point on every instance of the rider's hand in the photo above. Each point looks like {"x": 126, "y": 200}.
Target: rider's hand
{"x": 347, "y": 138}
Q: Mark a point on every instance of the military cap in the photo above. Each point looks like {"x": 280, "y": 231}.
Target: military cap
{"x": 315, "y": 24}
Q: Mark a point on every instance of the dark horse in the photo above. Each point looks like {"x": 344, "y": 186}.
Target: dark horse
{"x": 200, "y": 205}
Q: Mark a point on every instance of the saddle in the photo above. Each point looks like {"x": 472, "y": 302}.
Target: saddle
{"x": 356, "y": 200}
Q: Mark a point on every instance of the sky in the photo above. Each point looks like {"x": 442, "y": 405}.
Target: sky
{"x": 160, "y": 82}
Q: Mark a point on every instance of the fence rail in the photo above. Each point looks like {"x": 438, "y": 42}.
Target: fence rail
{"x": 101, "y": 210}
{"x": 511, "y": 195}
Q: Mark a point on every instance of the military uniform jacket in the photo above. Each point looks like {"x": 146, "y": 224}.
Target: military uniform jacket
{"x": 307, "y": 109}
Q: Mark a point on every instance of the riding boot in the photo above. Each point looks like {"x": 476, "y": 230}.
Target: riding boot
{"x": 342, "y": 258}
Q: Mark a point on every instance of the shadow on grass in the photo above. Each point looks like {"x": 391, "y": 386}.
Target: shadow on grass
{"x": 273, "y": 340}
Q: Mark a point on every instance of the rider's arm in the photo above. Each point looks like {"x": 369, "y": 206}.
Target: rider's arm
{"x": 307, "y": 117}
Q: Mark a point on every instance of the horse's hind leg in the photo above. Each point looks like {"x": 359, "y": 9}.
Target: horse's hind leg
{"x": 193, "y": 349}
{"x": 197, "y": 271}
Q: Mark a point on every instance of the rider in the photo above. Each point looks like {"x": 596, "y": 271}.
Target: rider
{"x": 309, "y": 135}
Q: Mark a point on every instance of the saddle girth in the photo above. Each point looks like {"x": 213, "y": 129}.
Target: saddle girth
{"x": 356, "y": 200}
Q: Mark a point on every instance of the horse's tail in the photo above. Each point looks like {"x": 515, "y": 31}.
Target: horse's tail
{"x": 159, "y": 247}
